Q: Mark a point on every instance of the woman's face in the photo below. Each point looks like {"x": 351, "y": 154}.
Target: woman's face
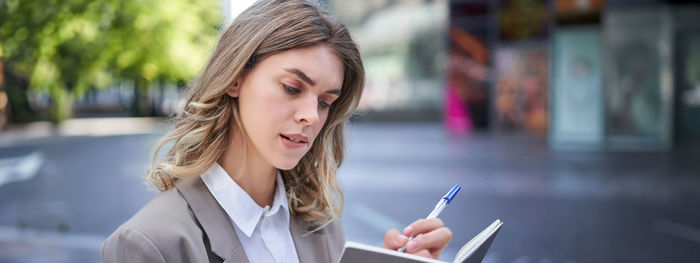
{"x": 284, "y": 102}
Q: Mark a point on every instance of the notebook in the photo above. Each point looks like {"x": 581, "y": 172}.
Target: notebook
{"x": 472, "y": 252}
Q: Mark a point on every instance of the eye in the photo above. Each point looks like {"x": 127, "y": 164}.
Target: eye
{"x": 324, "y": 104}
{"x": 290, "y": 89}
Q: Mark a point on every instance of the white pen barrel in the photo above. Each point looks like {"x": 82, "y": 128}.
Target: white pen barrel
{"x": 438, "y": 209}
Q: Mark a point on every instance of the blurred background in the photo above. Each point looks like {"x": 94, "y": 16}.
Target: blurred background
{"x": 576, "y": 122}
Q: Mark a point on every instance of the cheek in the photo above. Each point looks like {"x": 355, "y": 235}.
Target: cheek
{"x": 318, "y": 126}
{"x": 270, "y": 104}
{"x": 277, "y": 107}
{"x": 260, "y": 110}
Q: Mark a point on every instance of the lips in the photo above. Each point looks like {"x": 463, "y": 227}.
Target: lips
{"x": 298, "y": 138}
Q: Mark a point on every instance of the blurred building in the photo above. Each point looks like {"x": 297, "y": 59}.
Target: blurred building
{"x": 403, "y": 46}
{"x": 595, "y": 74}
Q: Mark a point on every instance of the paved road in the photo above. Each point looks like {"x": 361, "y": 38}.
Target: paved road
{"x": 60, "y": 196}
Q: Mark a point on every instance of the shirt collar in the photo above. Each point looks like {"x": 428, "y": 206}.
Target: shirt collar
{"x": 239, "y": 206}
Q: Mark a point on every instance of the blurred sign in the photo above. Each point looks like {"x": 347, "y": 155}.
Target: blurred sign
{"x": 524, "y": 19}
{"x": 521, "y": 88}
{"x": 638, "y": 85}
{"x": 577, "y": 93}
{"x": 578, "y": 6}
{"x": 468, "y": 66}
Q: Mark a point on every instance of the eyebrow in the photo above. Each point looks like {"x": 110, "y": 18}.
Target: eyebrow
{"x": 334, "y": 91}
{"x": 308, "y": 80}
{"x": 301, "y": 75}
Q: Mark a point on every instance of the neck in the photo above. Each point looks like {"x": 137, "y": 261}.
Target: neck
{"x": 250, "y": 171}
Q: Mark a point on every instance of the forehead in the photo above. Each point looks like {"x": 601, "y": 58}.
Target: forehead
{"x": 319, "y": 63}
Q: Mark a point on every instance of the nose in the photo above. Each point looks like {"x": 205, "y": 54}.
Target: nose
{"x": 307, "y": 112}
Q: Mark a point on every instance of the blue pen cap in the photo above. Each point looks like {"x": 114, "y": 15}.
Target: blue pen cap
{"x": 452, "y": 193}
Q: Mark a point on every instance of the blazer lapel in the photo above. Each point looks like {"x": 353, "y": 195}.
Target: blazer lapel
{"x": 311, "y": 247}
{"x": 214, "y": 220}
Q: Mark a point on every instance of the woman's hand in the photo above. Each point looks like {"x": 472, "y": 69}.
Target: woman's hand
{"x": 433, "y": 239}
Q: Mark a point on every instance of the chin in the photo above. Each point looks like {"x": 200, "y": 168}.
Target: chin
{"x": 287, "y": 164}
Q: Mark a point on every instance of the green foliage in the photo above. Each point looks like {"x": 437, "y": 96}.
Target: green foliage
{"x": 65, "y": 47}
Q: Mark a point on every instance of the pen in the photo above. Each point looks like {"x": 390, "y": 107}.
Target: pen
{"x": 444, "y": 201}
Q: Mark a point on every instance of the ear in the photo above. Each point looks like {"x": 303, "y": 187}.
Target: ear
{"x": 232, "y": 89}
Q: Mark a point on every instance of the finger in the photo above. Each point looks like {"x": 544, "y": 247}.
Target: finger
{"x": 393, "y": 239}
{"x": 434, "y": 241}
{"x": 422, "y": 226}
{"x": 424, "y": 253}
{"x": 437, "y": 251}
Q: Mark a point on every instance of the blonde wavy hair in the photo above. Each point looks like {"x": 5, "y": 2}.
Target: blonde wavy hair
{"x": 201, "y": 131}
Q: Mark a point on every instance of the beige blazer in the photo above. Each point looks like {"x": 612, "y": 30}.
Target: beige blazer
{"x": 186, "y": 224}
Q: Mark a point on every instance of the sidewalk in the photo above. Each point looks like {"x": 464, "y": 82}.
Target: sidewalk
{"x": 15, "y": 133}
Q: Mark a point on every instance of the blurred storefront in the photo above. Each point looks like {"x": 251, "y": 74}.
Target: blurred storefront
{"x": 624, "y": 75}
{"x": 590, "y": 74}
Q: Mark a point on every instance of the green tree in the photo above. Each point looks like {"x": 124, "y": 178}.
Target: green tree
{"x": 66, "y": 47}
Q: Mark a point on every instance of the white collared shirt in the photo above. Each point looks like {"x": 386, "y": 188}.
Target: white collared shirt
{"x": 263, "y": 232}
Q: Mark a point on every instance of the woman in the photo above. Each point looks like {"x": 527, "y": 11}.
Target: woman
{"x": 250, "y": 175}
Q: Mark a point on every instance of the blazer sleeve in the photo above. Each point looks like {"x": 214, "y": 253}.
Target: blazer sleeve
{"x": 129, "y": 245}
